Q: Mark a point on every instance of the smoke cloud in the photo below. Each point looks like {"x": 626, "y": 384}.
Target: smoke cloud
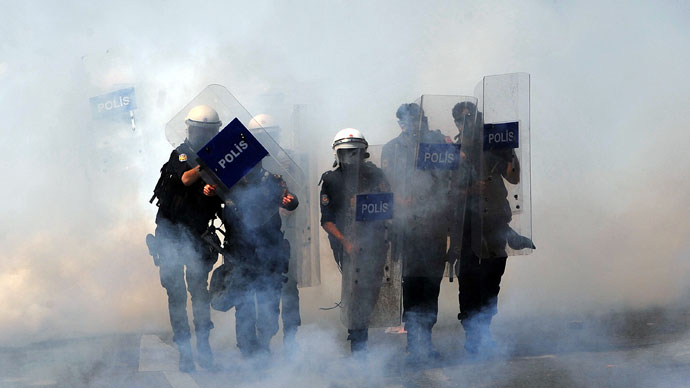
{"x": 609, "y": 136}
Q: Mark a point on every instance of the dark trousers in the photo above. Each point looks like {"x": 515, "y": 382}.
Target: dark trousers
{"x": 358, "y": 339}
{"x": 290, "y": 304}
{"x": 420, "y": 300}
{"x": 256, "y": 314}
{"x": 420, "y": 309}
{"x": 182, "y": 257}
{"x": 478, "y": 286}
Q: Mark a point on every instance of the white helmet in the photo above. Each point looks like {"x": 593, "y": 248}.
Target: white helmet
{"x": 349, "y": 138}
{"x": 262, "y": 121}
{"x": 267, "y": 124}
{"x": 203, "y": 116}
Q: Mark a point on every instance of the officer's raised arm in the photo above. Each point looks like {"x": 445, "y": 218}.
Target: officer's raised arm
{"x": 187, "y": 206}
{"x": 190, "y": 176}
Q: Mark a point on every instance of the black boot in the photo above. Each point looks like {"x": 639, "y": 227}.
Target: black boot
{"x": 487, "y": 343}
{"x": 186, "y": 364}
{"x": 289, "y": 341}
{"x": 426, "y": 344}
{"x": 203, "y": 349}
{"x": 248, "y": 349}
{"x": 472, "y": 336}
{"x": 358, "y": 347}
{"x": 358, "y": 341}
{"x": 415, "y": 352}
{"x": 263, "y": 347}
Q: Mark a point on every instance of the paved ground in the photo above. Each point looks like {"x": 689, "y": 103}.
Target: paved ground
{"x": 634, "y": 349}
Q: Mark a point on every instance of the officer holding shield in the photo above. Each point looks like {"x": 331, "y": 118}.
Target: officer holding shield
{"x": 479, "y": 278}
{"x": 289, "y": 296}
{"x": 186, "y": 205}
{"x": 420, "y": 227}
{"x": 359, "y": 246}
{"x": 260, "y": 255}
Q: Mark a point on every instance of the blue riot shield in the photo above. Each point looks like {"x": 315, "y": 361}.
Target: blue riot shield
{"x": 236, "y": 150}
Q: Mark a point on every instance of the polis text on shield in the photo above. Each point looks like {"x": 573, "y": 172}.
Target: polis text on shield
{"x": 501, "y": 135}
{"x": 444, "y": 156}
{"x": 115, "y": 103}
{"x": 232, "y": 153}
{"x": 235, "y": 151}
{"x": 439, "y": 157}
{"x": 374, "y": 206}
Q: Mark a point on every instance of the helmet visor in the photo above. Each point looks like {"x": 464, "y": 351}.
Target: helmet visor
{"x": 200, "y": 135}
{"x": 350, "y": 156}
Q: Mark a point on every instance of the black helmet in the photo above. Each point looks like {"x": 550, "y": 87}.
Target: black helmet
{"x": 459, "y": 109}
{"x": 409, "y": 112}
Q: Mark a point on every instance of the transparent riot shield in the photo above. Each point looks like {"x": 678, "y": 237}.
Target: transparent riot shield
{"x": 371, "y": 278}
{"x": 109, "y": 85}
{"x": 451, "y": 115}
{"x": 301, "y": 226}
{"x": 235, "y": 151}
{"x": 425, "y": 167}
{"x": 501, "y": 206}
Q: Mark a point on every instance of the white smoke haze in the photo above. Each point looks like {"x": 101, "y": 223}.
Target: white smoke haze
{"x": 609, "y": 114}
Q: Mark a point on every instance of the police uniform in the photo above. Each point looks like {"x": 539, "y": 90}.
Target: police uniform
{"x": 363, "y": 285}
{"x": 260, "y": 254}
{"x": 289, "y": 296}
{"x": 182, "y": 217}
{"x": 479, "y": 279}
{"x": 289, "y": 299}
{"x": 421, "y": 232}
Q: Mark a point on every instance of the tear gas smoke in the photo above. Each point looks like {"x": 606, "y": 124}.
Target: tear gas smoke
{"x": 609, "y": 132}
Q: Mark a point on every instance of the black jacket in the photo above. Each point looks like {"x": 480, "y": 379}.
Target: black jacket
{"x": 185, "y": 204}
{"x": 252, "y": 221}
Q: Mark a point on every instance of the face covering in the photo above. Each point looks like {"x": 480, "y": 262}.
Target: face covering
{"x": 349, "y": 157}
{"x": 198, "y": 137}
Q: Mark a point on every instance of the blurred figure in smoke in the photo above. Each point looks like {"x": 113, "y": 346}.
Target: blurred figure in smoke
{"x": 289, "y": 295}
{"x": 479, "y": 279}
{"x": 186, "y": 205}
{"x": 420, "y": 239}
{"x": 260, "y": 255}
{"x": 359, "y": 248}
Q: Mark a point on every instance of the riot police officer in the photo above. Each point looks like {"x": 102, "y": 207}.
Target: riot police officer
{"x": 420, "y": 232}
{"x": 186, "y": 206}
{"x": 359, "y": 248}
{"x": 260, "y": 255}
{"x": 479, "y": 278}
{"x": 289, "y": 296}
